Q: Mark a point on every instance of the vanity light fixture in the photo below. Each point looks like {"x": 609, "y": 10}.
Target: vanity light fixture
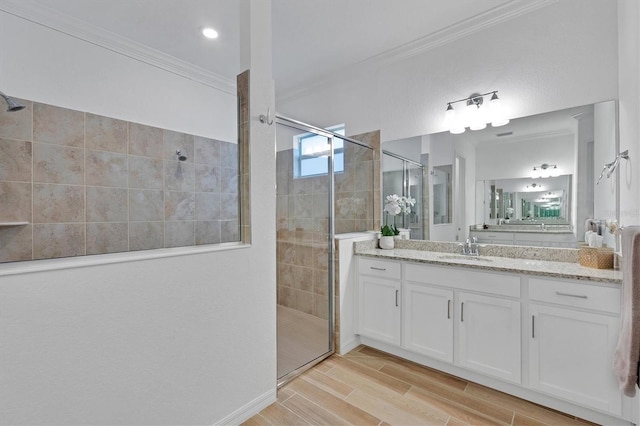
{"x": 476, "y": 114}
{"x": 209, "y": 33}
{"x": 544, "y": 170}
{"x": 534, "y": 186}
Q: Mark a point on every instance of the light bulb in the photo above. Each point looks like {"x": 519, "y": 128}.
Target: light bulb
{"x": 475, "y": 114}
{"x": 449, "y": 117}
{"x": 209, "y": 33}
{"x": 498, "y": 117}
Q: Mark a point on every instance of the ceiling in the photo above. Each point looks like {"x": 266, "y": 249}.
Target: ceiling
{"x": 312, "y": 39}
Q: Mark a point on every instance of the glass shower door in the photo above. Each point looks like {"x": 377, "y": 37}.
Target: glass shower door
{"x": 304, "y": 249}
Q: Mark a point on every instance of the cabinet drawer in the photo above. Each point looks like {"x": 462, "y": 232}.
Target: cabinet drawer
{"x": 379, "y": 268}
{"x": 473, "y": 280}
{"x": 575, "y": 294}
{"x": 493, "y": 237}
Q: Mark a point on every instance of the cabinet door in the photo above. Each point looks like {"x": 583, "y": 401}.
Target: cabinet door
{"x": 571, "y": 355}
{"x": 489, "y": 335}
{"x": 379, "y": 309}
{"x": 427, "y": 325}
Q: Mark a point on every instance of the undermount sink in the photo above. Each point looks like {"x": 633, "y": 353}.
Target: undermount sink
{"x": 464, "y": 257}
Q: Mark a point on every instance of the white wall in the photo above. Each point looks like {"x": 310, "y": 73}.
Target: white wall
{"x": 563, "y": 55}
{"x": 174, "y": 340}
{"x": 516, "y": 160}
{"x": 556, "y": 57}
{"x": 43, "y": 65}
{"x": 629, "y": 109}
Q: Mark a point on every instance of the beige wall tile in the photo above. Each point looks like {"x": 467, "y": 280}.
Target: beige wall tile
{"x": 146, "y": 235}
{"x": 207, "y": 151}
{"x": 207, "y": 232}
{"x": 58, "y": 164}
{"x": 228, "y": 180}
{"x": 145, "y": 173}
{"x": 58, "y": 240}
{"x": 145, "y": 140}
{"x": 17, "y": 125}
{"x": 208, "y": 206}
{"x": 173, "y": 141}
{"x": 179, "y": 176}
{"x": 58, "y": 203}
{"x": 106, "y": 169}
{"x": 207, "y": 178}
{"x": 56, "y": 125}
{"x": 179, "y": 234}
{"x": 179, "y": 205}
{"x": 106, "y": 134}
{"x": 106, "y": 204}
{"x": 229, "y": 206}
{"x": 229, "y": 231}
{"x": 146, "y": 205}
{"x": 16, "y": 243}
{"x": 107, "y": 238}
{"x": 15, "y": 160}
{"x": 18, "y": 195}
{"x": 229, "y": 155}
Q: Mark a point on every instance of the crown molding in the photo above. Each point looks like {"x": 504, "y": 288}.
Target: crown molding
{"x": 467, "y": 27}
{"x": 50, "y": 18}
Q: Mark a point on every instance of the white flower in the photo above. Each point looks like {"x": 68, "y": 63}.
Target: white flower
{"x": 406, "y": 203}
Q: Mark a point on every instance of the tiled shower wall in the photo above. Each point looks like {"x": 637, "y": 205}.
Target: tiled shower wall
{"x": 88, "y": 184}
{"x": 302, "y": 215}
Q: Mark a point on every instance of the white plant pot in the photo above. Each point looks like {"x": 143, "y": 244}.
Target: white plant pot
{"x": 386, "y": 243}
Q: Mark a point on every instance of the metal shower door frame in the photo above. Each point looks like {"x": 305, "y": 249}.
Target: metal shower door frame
{"x": 299, "y": 125}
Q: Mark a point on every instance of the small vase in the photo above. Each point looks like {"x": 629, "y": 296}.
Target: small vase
{"x": 386, "y": 243}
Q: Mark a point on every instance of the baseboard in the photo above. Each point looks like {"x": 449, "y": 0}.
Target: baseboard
{"x": 249, "y": 410}
{"x": 350, "y": 345}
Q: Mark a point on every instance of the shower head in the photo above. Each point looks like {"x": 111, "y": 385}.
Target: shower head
{"x": 13, "y": 105}
{"x": 181, "y": 157}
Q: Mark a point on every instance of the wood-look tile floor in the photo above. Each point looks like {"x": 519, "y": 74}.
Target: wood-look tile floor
{"x": 369, "y": 387}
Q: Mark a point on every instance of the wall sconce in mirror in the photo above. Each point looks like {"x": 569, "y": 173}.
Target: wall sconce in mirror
{"x": 534, "y": 186}
{"x": 475, "y": 116}
{"x": 545, "y": 170}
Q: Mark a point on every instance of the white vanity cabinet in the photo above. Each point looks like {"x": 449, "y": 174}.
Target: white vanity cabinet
{"x": 379, "y": 300}
{"x": 489, "y": 335}
{"x": 468, "y": 317}
{"x": 546, "y": 339}
{"x": 427, "y": 317}
{"x": 573, "y": 331}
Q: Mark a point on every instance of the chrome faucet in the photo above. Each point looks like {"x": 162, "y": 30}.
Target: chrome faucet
{"x": 473, "y": 247}
{"x": 470, "y": 248}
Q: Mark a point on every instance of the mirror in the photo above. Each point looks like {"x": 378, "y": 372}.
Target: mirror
{"x": 405, "y": 178}
{"x": 499, "y": 162}
{"x": 441, "y": 180}
{"x": 524, "y": 200}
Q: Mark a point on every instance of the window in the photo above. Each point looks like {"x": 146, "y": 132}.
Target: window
{"x": 311, "y": 152}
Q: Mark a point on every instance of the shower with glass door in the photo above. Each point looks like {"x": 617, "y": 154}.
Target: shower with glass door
{"x": 324, "y": 186}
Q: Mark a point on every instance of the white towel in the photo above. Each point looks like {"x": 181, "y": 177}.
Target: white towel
{"x": 627, "y": 354}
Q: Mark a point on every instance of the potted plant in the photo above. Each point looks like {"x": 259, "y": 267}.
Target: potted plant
{"x": 395, "y": 205}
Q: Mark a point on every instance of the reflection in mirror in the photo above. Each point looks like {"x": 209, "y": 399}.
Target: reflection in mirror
{"x": 527, "y": 201}
{"x": 442, "y": 194}
{"x": 577, "y": 140}
{"x": 404, "y": 177}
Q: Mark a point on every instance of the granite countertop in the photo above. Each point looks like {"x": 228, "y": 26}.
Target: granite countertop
{"x": 535, "y": 266}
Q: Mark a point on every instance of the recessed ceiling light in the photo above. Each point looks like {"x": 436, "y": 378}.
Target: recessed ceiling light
{"x": 209, "y": 33}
